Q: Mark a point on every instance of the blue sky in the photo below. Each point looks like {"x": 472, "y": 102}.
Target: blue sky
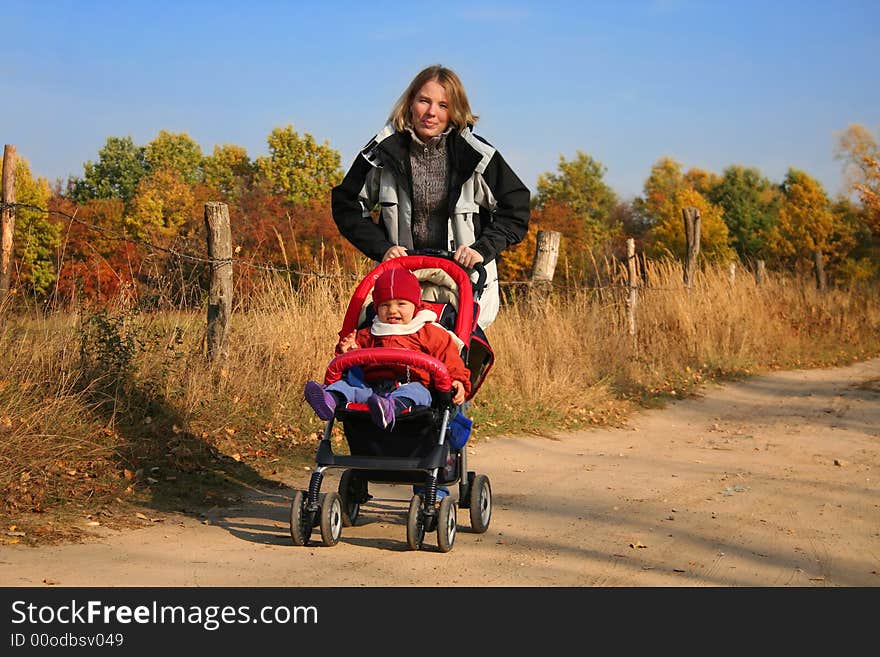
{"x": 765, "y": 84}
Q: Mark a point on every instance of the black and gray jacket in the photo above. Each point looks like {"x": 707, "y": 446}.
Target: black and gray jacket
{"x": 488, "y": 203}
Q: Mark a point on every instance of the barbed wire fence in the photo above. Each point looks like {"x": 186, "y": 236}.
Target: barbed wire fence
{"x": 124, "y": 237}
{"x": 628, "y": 278}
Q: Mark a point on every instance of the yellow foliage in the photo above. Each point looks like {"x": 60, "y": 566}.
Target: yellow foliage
{"x": 667, "y": 236}
{"x": 162, "y": 205}
{"x": 515, "y": 264}
{"x": 806, "y": 223}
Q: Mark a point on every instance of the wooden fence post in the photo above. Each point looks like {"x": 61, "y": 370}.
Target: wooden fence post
{"x": 819, "y": 269}
{"x": 632, "y": 285}
{"x": 546, "y": 254}
{"x": 761, "y": 274}
{"x": 220, "y": 294}
{"x": 691, "y": 217}
{"x": 7, "y": 219}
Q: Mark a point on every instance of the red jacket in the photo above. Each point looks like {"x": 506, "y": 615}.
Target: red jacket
{"x": 429, "y": 339}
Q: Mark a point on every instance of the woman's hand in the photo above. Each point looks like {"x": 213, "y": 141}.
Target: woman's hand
{"x": 394, "y": 252}
{"x": 458, "y": 392}
{"x": 467, "y": 257}
{"x": 348, "y": 343}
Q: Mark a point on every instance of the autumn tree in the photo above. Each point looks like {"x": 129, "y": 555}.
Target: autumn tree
{"x": 807, "y": 224}
{"x": 297, "y": 167}
{"x": 667, "y": 192}
{"x": 163, "y": 204}
{"x": 578, "y": 186}
{"x": 861, "y": 263}
{"x": 858, "y": 148}
{"x": 701, "y": 180}
{"x": 228, "y": 170}
{"x": 751, "y": 205}
{"x": 120, "y": 166}
{"x": 176, "y": 152}
{"x": 36, "y": 235}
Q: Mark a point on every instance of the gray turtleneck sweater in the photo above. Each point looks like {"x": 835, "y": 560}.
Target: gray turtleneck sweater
{"x": 430, "y": 174}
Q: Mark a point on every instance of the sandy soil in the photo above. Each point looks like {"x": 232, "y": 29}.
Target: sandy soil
{"x": 772, "y": 481}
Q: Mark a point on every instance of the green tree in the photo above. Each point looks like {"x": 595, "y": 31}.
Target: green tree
{"x": 228, "y": 169}
{"x": 579, "y": 185}
{"x": 36, "y": 235}
{"x": 751, "y": 206}
{"x": 298, "y": 167}
{"x": 861, "y": 261}
{"x": 177, "y": 152}
{"x": 120, "y": 166}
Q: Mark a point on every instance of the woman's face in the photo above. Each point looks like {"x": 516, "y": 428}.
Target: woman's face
{"x": 430, "y": 110}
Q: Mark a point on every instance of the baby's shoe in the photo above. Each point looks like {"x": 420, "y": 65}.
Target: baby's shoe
{"x": 382, "y": 411}
{"x": 321, "y": 401}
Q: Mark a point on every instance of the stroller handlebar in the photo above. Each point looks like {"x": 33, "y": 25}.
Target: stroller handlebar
{"x": 448, "y": 255}
{"x": 440, "y": 378}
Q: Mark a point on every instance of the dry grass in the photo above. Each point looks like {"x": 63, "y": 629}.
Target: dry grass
{"x": 94, "y": 407}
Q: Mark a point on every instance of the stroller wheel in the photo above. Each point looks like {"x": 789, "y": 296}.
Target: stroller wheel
{"x": 446, "y": 524}
{"x": 351, "y": 507}
{"x": 331, "y": 519}
{"x": 415, "y": 524}
{"x": 300, "y": 520}
{"x": 480, "y": 504}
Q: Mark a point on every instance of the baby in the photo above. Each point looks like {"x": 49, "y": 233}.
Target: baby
{"x": 401, "y": 322}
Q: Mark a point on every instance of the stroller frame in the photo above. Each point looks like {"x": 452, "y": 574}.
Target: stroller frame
{"x": 423, "y": 451}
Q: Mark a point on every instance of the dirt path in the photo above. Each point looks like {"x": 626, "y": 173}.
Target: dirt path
{"x": 773, "y": 481}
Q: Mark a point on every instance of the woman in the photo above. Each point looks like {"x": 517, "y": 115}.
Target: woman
{"x": 436, "y": 184}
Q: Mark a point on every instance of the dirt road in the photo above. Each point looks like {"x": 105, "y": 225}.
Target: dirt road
{"x": 772, "y": 481}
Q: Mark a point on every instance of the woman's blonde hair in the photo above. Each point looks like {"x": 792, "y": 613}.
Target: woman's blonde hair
{"x": 460, "y": 114}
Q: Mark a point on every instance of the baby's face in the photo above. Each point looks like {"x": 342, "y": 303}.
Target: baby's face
{"x": 395, "y": 311}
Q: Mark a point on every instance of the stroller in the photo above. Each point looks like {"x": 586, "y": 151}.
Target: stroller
{"x": 425, "y": 446}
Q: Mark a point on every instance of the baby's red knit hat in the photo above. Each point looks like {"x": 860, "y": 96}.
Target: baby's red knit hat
{"x": 397, "y": 283}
